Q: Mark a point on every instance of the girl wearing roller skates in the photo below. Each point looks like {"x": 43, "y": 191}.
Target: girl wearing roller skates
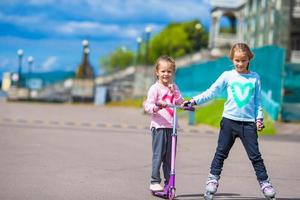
{"x": 161, "y": 94}
{"x": 242, "y": 117}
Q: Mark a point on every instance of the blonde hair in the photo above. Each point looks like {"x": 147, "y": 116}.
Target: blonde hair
{"x": 243, "y": 47}
{"x": 167, "y": 59}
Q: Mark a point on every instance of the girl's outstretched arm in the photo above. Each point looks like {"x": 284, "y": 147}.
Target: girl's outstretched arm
{"x": 212, "y": 91}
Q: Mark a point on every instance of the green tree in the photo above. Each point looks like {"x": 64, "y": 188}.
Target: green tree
{"x": 172, "y": 41}
{"x": 118, "y": 60}
{"x": 196, "y": 34}
{"x": 178, "y": 39}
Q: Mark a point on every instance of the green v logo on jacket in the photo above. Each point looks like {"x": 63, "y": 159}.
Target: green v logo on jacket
{"x": 242, "y": 93}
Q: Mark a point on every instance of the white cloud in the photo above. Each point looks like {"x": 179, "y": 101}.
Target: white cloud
{"x": 179, "y": 9}
{"x": 97, "y": 29}
{"x": 174, "y": 10}
{"x": 49, "y": 63}
{"x": 85, "y": 27}
{"x": 116, "y": 19}
{"x": 34, "y": 2}
{"x": 41, "y": 2}
{"x": 20, "y": 20}
{"x": 60, "y": 25}
{"x": 4, "y": 62}
{"x": 228, "y": 3}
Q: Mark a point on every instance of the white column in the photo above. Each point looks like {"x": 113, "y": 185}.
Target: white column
{"x": 240, "y": 27}
{"x": 211, "y": 33}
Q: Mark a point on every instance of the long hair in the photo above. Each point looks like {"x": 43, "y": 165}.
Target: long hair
{"x": 243, "y": 47}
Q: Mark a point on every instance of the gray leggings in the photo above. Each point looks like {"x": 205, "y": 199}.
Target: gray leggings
{"x": 161, "y": 153}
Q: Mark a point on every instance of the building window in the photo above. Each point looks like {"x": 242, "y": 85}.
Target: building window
{"x": 271, "y": 37}
{"x": 263, "y": 4}
{"x": 260, "y": 39}
{"x": 252, "y": 42}
{"x": 262, "y": 21}
{"x": 246, "y": 11}
{"x": 296, "y": 9}
{"x": 252, "y": 25}
{"x": 254, "y": 10}
{"x": 295, "y": 43}
{"x": 273, "y": 2}
{"x": 272, "y": 18}
{"x": 278, "y": 5}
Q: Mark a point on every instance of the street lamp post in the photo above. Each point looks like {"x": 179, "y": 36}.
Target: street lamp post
{"x": 20, "y": 53}
{"x": 148, "y": 31}
{"x": 85, "y": 43}
{"x": 198, "y": 28}
{"x": 139, "y": 42}
{"x": 86, "y": 51}
{"x": 85, "y": 70}
{"x": 30, "y": 62}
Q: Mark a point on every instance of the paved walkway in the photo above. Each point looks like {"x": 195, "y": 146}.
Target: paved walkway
{"x": 65, "y": 151}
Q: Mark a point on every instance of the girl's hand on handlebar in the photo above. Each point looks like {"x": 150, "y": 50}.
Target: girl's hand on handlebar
{"x": 161, "y": 104}
{"x": 188, "y": 103}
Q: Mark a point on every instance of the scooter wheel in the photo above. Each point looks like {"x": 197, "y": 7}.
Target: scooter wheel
{"x": 172, "y": 194}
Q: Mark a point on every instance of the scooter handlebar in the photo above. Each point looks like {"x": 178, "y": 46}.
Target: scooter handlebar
{"x": 188, "y": 107}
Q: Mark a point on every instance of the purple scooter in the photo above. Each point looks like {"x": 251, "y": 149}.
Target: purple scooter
{"x": 169, "y": 190}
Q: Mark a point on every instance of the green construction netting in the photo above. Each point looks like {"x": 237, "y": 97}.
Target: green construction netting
{"x": 268, "y": 62}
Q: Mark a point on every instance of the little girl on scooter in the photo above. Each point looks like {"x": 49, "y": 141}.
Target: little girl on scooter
{"x": 162, "y": 93}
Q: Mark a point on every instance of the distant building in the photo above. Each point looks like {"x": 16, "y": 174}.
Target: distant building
{"x": 274, "y": 22}
{"x": 41, "y": 86}
{"x": 6, "y": 81}
{"x": 258, "y": 23}
{"x": 222, "y": 37}
{"x": 39, "y": 80}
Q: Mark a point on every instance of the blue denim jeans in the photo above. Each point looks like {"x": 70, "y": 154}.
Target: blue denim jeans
{"x": 161, "y": 153}
{"x": 247, "y": 132}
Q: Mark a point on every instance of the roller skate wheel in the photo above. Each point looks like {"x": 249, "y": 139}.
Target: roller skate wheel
{"x": 208, "y": 197}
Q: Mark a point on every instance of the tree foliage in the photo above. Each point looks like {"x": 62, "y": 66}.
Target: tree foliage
{"x": 118, "y": 60}
{"x": 179, "y": 39}
{"x": 176, "y": 40}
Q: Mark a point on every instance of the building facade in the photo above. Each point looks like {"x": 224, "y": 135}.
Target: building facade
{"x": 220, "y": 37}
{"x": 260, "y": 23}
{"x": 273, "y": 22}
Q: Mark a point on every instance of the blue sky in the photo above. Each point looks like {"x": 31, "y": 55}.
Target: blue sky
{"x": 52, "y": 30}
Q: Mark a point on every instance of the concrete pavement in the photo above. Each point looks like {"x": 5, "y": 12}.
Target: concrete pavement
{"x": 64, "y": 151}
